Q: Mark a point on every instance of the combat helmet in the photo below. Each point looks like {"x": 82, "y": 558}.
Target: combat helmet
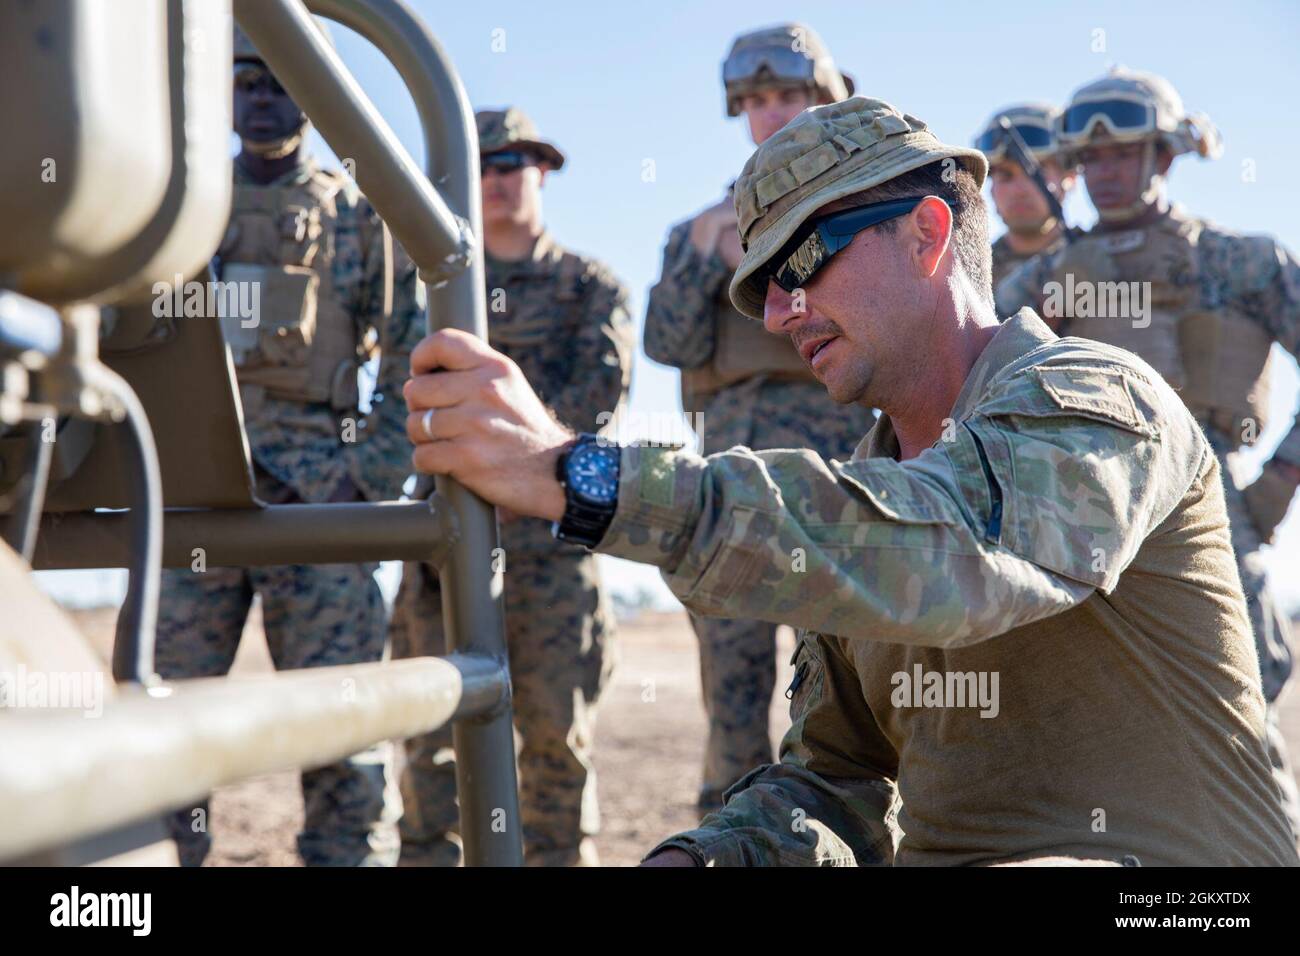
{"x": 1131, "y": 106}
{"x": 790, "y": 54}
{"x": 1035, "y": 122}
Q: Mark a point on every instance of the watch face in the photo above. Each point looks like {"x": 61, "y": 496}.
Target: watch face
{"x": 592, "y": 473}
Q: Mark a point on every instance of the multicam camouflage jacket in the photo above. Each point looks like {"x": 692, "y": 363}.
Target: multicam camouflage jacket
{"x": 563, "y": 318}
{"x": 1066, "y": 539}
{"x": 312, "y": 447}
{"x": 762, "y": 411}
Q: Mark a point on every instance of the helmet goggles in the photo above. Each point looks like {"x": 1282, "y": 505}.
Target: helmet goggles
{"x": 1126, "y": 118}
{"x": 1039, "y": 137}
{"x": 782, "y": 62}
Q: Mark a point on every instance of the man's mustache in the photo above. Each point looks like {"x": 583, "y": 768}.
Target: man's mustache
{"x": 806, "y": 333}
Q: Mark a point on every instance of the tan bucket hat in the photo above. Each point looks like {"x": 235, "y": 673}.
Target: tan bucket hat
{"x": 823, "y": 154}
{"x": 510, "y": 128}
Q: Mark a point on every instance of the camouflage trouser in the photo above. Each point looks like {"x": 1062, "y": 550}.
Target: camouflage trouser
{"x": 737, "y": 674}
{"x": 314, "y": 616}
{"x": 1272, "y": 628}
{"x": 559, "y": 633}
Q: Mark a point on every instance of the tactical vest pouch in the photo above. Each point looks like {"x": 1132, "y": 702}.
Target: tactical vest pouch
{"x": 274, "y": 352}
{"x": 742, "y": 349}
{"x": 1228, "y": 361}
{"x": 1105, "y": 278}
{"x": 745, "y": 348}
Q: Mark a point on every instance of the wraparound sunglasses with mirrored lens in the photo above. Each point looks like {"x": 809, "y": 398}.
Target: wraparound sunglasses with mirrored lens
{"x": 814, "y": 244}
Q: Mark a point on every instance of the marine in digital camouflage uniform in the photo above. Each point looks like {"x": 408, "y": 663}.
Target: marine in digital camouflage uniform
{"x": 1218, "y": 301}
{"x": 1036, "y": 516}
{"x": 332, "y": 287}
{"x": 1031, "y": 227}
{"x": 746, "y": 387}
{"x": 563, "y": 318}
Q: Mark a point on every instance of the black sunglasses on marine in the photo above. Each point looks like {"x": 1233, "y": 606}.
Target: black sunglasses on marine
{"x": 251, "y": 77}
{"x": 506, "y": 161}
{"x": 817, "y": 241}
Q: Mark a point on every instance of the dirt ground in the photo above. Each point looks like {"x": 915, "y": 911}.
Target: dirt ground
{"x": 648, "y": 747}
{"x": 649, "y": 743}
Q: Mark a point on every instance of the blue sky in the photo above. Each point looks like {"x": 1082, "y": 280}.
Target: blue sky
{"x": 617, "y": 85}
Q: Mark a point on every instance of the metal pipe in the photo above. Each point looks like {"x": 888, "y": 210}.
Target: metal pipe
{"x": 345, "y": 533}
{"x": 473, "y": 615}
{"x": 307, "y": 66}
{"x": 137, "y": 622}
{"x": 65, "y": 776}
{"x": 25, "y": 520}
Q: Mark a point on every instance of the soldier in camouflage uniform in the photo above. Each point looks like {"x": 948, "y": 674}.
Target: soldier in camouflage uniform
{"x": 1218, "y": 300}
{"x": 1031, "y": 227}
{"x": 563, "y": 318}
{"x": 331, "y": 287}
{"x": 746, "y": 387}
{"x": 1035, "y": 517}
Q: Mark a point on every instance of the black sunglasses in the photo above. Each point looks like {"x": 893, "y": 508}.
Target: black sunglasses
{"x": 250, "y": 77}
{"x": 506, "y": 161}
{"x": 815, "y": 243}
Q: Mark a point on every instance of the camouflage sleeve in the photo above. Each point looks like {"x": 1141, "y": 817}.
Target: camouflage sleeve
{"x": 380, "y": 459}
{"x": 679, "y": 319}
{"x": 829, "y": 801}
{"x": 1265, "y": 276}
{"x": 601, "y": 350}
{"x": 1015, "y": 517}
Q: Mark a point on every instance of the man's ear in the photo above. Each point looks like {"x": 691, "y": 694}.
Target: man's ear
{"x": 931, "y": 222}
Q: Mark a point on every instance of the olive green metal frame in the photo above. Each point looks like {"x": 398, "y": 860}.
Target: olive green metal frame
{"x": 69, "y": 776}
{"x": 443, "y": 238}
{"x": 65, "y": 780}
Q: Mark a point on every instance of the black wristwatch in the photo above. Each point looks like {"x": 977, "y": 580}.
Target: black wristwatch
{"x": 589, "y": 472}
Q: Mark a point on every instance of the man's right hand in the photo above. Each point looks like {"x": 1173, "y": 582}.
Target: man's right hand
{"x": 474, "y": 416}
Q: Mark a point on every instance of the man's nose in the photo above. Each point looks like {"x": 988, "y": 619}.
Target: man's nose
{"x": 779, "y": 308}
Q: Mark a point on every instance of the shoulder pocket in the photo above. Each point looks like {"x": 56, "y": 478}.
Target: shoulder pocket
{"x": 1075, "y": 492}
{"x": 1100, "y": 393}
